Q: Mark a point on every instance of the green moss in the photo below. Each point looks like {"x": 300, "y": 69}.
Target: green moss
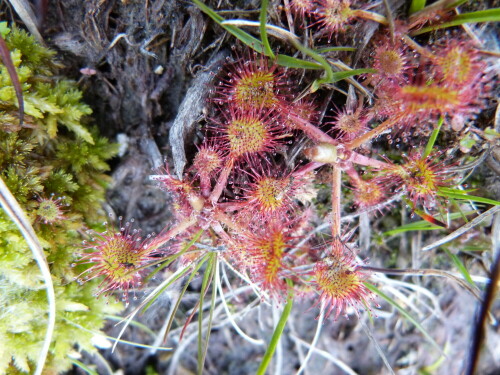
{"x": 55, "y": 156}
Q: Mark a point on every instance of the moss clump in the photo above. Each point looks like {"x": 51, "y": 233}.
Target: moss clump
{"x": 54, "y": 165}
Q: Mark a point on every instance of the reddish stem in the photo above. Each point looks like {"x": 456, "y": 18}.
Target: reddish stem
{"x": 336, "y": 185}
{"x": 312, "y": 131}
{"x": 372, "y": 16}
{"x": 164, "y": 237}
{"x": 386, "y": 125}
{"x": 352, "y": 173}
{"x": 221, "y": 182}
{"x": 228, "y": 222}
{"x": 307, "y": 168}
{"x": 356, "y": 158}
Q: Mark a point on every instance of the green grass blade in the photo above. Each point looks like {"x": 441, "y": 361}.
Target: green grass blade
{"x": 423, "y": 225}
{"x": 133, "y": 323}
{"x": 214, "y": 270}
{"x": 84, "y": 367}
{"x": 432, "y": 139}
{"x": 264, "y": 47}
{"x": 403, "y": 312}
{"x": 160, "y": 291}
{"x": 458, "y": 191}
{"x": 461, "y": 267}
{"x": 208, "y": 11}
{"x": 117, "y": 340}
{"x": 172, "y": 258}
{"x": 241, "y": 35}
{"x": 416, "y": 226}
{"x": 456, "y": 4}
{"x": 459, "y": 194}
{"x": 181, "y": 294}
{"x": 320, "y": 59}
{"x": 457, "y": 207}
{"x": 263, "y": 30}
{"x": 417, "y": 5}
{"x": 336, "y": 49}
{"x": 489, "y": 15}
{"x": 278, "y": 331}
{"x": 207, "y": 278}
{"x": 338, "y": 76}
{"x": 293, "y": 62}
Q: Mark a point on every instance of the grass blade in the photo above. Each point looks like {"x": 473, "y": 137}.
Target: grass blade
{"x": 181, "y": 294}
{"x": 292, "y": 39}
{"x": 432, "y": 139}
{"x": 471, "y": 224}
{"x": 293, "y": 62}
{"x": 417, "y": 5}
{"x": 489, "y": 15}
{"x": 230, "y": 317}
{"x": 241, "y": 35}
{"x": 458, "y": 263}
{"x": 415, "y": 226}
{"x": 278, "y": 331}
{"x": 335, "y": 49}
{"x": 84, "y": 367}
{"x": 460, "y": 194}
{"x": 403, "y": 312}
{"x": 207, "y": 280}
{"x": 134, "y": 323}
{"x": 171, "y": 259}
{"x": 338, "y": 76}
{"x": 159, "y": 291}
{"x": 423, "y": 225}
{"x": 118, "y": 340}
{"x": 154, "y": 294}
{"x": 263, "y": 31}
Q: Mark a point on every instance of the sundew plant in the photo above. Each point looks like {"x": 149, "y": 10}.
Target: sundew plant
{"x": 327, "y": 117}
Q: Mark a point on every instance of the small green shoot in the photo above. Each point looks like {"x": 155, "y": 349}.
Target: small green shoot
{"x": 432, "y": 139}
{"x": 293, "y": 62}
{"x": 458, "y": 263}
{"x": 277, "y": 333}
{"x": 403, "y": 312}
{"x": 335, "y": 49}
{"x": 263, "y": 31}
{"x": 417, "y": 5}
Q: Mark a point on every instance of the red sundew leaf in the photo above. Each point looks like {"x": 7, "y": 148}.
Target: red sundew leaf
{"x": 7, "y": 61}
{"x": 430, "y": 219}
